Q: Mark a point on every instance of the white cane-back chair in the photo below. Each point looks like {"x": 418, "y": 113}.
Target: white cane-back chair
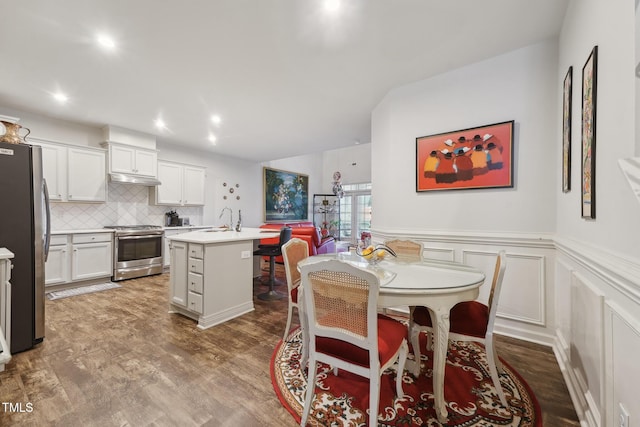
{"x": 294, "y": 251}
{"x": 345, "y": 328}
{"x": 469, "y": 321}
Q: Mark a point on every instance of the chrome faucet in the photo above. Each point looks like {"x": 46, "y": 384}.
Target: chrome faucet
{"x": 230, "y": 216}
{"x": 239, "y": 224}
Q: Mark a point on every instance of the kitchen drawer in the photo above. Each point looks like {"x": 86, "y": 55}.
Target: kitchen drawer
{"x": 194, "y": 302}
{"x": 58, "y": 239}
{"x": 196, "y": 251}
{"x": 195, "y": 282}
{"x": 92, "y": 237}
{"x": 196, "y": 266}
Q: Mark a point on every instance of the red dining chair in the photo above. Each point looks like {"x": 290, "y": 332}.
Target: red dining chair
{"x": 469, "y": 321}
{"x": 346, "y": 331}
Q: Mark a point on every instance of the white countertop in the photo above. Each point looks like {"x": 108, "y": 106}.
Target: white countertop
{"x": 219, "y": 236}
{"x": 83, "y": 231}
{"x": 109, "y": 230}
{"x": 5, "y": 253}
{"x": 187, "y": 227}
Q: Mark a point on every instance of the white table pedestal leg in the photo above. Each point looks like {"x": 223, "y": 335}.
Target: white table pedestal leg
{"x": 440, "y": 320}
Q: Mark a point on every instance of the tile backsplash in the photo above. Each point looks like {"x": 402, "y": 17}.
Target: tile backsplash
{"x": 126, "y": 205}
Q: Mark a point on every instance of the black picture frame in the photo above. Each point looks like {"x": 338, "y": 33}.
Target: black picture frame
{"x": 567, "y": 93}
{"x": 588, "y": 146}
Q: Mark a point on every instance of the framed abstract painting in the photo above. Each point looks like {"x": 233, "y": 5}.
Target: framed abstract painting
{"x": 479, "y": 157}
{"x": 589, "y": 91}
{"x": 566, "y": 131}
{"x": 286, "y": 196}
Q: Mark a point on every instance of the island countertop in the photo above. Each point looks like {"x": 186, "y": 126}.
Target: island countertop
{"x": 220, "y": 235}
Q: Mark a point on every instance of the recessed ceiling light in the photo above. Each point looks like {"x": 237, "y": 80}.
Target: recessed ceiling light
{"x": 60, "y": 97}
{"x": 160, "y": 124}
{"x": 212, "y": 138}
{"x": 106, "y": 42}
{"x": 216, "y": 120}
{"x": 331, "y": 5}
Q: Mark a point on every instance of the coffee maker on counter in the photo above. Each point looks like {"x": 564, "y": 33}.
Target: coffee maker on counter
{"x": 172, "y": 219}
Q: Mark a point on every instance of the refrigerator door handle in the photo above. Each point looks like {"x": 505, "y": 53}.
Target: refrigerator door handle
{"x": 47, "y": 240}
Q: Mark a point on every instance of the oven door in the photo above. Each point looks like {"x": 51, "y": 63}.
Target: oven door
{"x": 137, "y": 256}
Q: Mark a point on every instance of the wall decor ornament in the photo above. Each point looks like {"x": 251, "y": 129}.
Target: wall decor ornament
{"x": 589, "y": 90}
{"x": 479, "y": 157}
{"x": 337, "y": 185}
{"x": 566, "y": 131}
{"x": 286, "y": 195}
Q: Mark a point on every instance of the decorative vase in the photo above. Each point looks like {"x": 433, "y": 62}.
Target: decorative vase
{"x": 10, "y": 133}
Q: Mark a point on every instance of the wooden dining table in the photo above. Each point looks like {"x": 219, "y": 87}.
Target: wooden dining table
{"x": 437, "y": 285}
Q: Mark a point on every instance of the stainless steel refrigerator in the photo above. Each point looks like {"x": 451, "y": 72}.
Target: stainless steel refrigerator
{"x": 24, "y": 230}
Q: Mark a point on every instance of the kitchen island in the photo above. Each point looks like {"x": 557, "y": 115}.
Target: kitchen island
{"x": 212, "y": 273}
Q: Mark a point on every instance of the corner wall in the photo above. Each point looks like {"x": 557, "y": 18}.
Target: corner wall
{"x": 598, "y": 261}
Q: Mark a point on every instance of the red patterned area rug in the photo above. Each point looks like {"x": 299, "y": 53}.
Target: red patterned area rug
{"x": 343, "y": 400}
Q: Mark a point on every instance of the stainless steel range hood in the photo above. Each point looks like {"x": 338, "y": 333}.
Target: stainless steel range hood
{"x": 133, "y": 179}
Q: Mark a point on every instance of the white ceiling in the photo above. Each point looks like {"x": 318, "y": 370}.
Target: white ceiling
{"x": 286, "y": 77}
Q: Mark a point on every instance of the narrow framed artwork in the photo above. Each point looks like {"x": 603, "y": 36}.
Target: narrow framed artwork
{"x": 566, "y": 131}
{"x": 286, "y": 195}
{"x": 479, "y": 157}
{"x": 589, "y": 91}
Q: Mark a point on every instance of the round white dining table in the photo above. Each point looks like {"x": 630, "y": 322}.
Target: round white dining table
{"x": 437, "y": 285}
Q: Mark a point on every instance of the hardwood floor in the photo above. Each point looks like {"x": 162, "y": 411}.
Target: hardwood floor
{"x": 118, "y": 358}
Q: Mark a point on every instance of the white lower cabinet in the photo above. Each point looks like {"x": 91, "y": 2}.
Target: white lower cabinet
{"x": 5, "y": 306}
{"x": 56, "y": 269}
{"x": 186, "y": 275}
{"x": 211, "y": 283}
{"x": 178, "y": 279}
{"x": 169, "y": 232}
{"x": 91, "y": 258}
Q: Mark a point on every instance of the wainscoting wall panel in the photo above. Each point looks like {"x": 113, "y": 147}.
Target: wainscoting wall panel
{"x": 622, "y": 347}
{"x": 579, "y": 299}
{"x": 523, "y": 299}
{"x": 438, "y": 253}
{"x": 523, "y": 310}
{"x": 586, "y": 350}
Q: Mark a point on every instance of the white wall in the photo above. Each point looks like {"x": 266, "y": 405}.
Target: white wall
{"x": 598, "y": 268}
{"x": 588, "y": 23}
{"x": 520, "y": 86}
{"x": 353, "y": 163}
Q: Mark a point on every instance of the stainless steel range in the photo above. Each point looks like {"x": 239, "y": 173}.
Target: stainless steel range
{"x": 137, "y": 251}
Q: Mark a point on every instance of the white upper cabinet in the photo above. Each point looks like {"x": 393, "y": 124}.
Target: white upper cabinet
{"x": 170, "y": 191}
{"x": 54, "y": 166}
{"x": 86, "y": 175}
{"x": 74, "y": 173}
{"x": 193, "y": 185}
{"x": 182, "y": 185}
{"x": 132, "y": 160}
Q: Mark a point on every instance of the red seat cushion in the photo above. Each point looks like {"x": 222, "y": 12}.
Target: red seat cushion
{"x": 390, "y": 336}
{"x": 294, "y": 295}
{"x": 466, "y": 318}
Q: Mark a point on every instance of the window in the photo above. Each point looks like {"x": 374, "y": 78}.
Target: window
{"x": 355, "y": 211}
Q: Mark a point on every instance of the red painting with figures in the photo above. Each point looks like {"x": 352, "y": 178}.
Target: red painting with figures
{"x": 479, "y": 157}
